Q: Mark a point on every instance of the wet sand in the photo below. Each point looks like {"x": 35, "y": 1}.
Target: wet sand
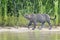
{"x": 23, "y": 29}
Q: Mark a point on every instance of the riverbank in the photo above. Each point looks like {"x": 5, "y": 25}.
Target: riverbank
{"x": 24, "y": 29}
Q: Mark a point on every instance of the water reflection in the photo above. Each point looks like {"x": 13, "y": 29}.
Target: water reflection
{"x": 35, "y": 35}
{"x": 31, "y": 36}
{"x": 43, "y": 35}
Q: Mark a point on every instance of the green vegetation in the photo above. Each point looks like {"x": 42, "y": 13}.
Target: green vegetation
{"x": 12, "y": 11}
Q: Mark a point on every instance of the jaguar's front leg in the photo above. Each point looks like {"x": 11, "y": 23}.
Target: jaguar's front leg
{"x": 34, "y": 26}
{"x": 30, "y": 23}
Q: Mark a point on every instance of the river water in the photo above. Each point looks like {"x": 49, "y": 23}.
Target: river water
{"x": 30, "y": 35}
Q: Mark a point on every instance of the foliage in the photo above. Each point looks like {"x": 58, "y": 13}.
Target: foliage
{"x": 12, "y": 11}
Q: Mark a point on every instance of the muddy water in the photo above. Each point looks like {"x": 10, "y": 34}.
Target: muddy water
{"x": 35, "y": 35}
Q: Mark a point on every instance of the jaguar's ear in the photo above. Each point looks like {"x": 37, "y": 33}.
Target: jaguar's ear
{"x": 25, "y": 15}
{"x": 29, "y": 16}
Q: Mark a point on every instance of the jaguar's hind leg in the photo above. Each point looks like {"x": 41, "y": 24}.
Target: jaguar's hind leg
{"x": 50, "y": 25}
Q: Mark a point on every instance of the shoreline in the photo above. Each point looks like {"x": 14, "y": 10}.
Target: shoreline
{"x": 23, "y": 29}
